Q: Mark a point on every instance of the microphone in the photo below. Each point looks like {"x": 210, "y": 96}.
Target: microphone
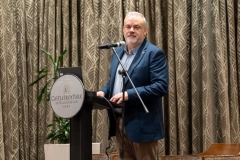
{"x": 110, "y": 45}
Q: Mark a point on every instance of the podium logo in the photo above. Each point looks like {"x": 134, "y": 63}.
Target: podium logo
{"x": 67, "y": 96}
{"x": 66, "y": 89}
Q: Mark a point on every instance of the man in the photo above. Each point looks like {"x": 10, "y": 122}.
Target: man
{"x": 146, "y": 65}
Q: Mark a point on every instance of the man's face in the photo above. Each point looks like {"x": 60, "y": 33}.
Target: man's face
{"x": 134, "y": 30}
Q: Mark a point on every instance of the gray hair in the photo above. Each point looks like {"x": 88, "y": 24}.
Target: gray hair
{"x": 133, "y": 13}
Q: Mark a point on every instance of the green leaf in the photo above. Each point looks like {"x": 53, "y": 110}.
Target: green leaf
{"x": 43, "y": 92}
{"x": 60, "y": 131}
{"x": 60, "y": 58}
{"x": 43, "y": 70}
{"x": 37, "y": 80}
{"x": 49, "y": 56}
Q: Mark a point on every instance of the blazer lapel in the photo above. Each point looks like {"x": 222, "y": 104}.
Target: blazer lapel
{"x": 137, "y": 58}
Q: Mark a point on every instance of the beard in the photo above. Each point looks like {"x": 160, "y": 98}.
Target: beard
{"x": 131, "y": 40}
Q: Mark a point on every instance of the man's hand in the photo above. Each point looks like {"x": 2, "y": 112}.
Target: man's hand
{"x": 100, "y": 93}
{"x": 118, "y": 98}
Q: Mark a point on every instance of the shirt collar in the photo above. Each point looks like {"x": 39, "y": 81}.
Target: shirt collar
{"x": 134, "y": 50}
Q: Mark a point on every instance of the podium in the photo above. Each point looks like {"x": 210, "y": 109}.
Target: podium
{"x": 81, "y": 123}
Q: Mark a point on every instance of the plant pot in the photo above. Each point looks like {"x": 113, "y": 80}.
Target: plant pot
{"x": 95, "y": 148}
{"x": 62, "y": 151}
{"x": 57, "y": 151}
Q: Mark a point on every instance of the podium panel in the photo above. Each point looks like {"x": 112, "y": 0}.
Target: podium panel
{"x": 81, "y": 123}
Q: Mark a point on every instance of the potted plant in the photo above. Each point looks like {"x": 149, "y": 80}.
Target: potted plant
{"x": 59, "y": 137}
{"x": 59, "y": 134}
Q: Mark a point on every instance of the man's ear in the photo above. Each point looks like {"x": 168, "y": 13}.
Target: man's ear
{"x": 146, "y": 32}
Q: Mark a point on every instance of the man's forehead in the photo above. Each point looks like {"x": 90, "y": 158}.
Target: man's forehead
{"x": 133, "y": 19}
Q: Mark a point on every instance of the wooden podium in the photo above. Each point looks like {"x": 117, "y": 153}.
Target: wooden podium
{"x": 81, "y": 123}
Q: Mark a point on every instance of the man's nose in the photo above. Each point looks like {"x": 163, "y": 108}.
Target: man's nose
{"x": 132, "y": 29}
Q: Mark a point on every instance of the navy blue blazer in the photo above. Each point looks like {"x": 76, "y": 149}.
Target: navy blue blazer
{"x": 149, "y": 73}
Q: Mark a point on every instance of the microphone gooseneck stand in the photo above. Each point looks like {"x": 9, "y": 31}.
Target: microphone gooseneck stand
{"x": 124, "y": 74}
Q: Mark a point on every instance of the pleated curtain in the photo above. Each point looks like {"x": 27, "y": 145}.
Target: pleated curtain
{"x": 201, "y": 39}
